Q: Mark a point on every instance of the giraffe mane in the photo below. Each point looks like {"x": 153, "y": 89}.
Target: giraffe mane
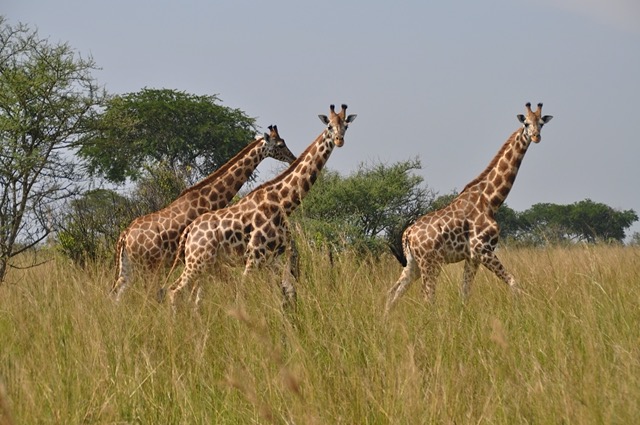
{"x": 483, "y": 175}
{"x": 222, "y": 170}
{"x": 289, "y": 170}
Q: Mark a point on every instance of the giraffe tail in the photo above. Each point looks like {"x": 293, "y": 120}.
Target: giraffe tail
{"x": 398, "y": 252}
{"x": 398, "y": 243}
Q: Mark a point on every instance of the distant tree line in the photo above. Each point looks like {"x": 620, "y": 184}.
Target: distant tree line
{"x": 370, "y": 209}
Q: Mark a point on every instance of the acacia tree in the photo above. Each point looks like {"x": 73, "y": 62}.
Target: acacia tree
{"x": 47, "y": 98}
{"x": 585, "y": 220}
{"x": 156, "y": 128}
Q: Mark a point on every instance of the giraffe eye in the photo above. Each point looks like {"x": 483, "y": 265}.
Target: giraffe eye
{"x": 526, "y": 124}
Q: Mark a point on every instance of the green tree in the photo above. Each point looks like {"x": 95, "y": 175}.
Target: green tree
{"x": 593, "y": 221}
{"x": 89, "y": 229}
{"x": 368, "y": 208}
{"x": 160, "y": 186}
{"x": 509, "y": 221}
{"x": 581, "y": 221}
{"x": 161, "y": 126}
{"x": 545, "y": 223}
{"x": 47, "y": 99}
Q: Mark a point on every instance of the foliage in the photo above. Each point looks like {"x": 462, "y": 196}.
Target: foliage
{"x": 160, "y": 186}
{"x": 47, "y": 99}
{"x": 585, "y": 220}
{"x": 90, "y": 225}
{"x": 89, "y": 229}
{"x": 509, "y": 222}
{"x": 184, "y": 131}
{"x": 370, "y": 206}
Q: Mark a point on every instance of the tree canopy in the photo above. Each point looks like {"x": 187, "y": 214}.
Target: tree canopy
{"x": 585, "y": 220}
{"x": 162, "y": 126}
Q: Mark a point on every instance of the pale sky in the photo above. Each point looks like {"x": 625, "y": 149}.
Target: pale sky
{"x": 441, "y": 81}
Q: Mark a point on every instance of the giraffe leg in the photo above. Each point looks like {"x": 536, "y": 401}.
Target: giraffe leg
{"x": 180, "y": 283}
{"x": 491, "y": 261}
{"x": 124, "y": 275}
{"x": 189, "y": 274}
{"x": 291, "y": 272}
{"x": 430, "y": 273}
{"x": 470, "y": 270}
{"x": 196, "y": 293}
{"x": 409, "y": 274}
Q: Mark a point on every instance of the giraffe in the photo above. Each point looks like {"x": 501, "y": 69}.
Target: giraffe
{"x": 152, "y": 240}
{"x": 256, "y": 227}
{"x": 466, "y": 228}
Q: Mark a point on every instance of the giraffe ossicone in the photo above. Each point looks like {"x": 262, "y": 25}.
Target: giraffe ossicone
{"x": 466, "y": 228}
{"x": 256, "y": 227}
{"x": 151, "y": 241}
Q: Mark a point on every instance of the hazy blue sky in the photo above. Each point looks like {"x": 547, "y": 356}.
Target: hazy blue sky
{"x": 441, "y": 81}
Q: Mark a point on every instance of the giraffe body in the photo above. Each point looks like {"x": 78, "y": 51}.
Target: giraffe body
{"x": 152, "y": 240}
{"x": 466, "y": 229}
{"x": 256, "y": 227}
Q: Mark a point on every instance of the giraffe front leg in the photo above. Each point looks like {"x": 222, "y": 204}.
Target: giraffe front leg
{"x": 470, "y": 270}
{"x": 430, "y": 273}
{"x": 491, "y": 261}
{"x": 290, "y": 273}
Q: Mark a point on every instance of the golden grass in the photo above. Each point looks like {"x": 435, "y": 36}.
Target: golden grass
{"x": 567, "y": 350}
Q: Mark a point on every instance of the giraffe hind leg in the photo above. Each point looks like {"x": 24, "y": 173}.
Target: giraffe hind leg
{"x": 409, "y": 274}
{"x": 124, "y": 277}
{"x": 188, "y": 276}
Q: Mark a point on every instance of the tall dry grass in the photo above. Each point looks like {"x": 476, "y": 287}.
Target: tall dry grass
{"x": 567, "y": 350}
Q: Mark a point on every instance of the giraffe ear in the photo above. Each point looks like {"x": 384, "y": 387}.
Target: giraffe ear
{"x": 520, "y": 118}
{"x": 547, "y": 118}
{"x": 266, "y": 137}
{"x": 351, "y": 118}
{"x": 324, "y": 119}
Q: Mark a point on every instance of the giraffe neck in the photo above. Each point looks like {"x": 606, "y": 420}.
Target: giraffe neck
{"x": 496, "y": 181}
{"x": 217, "y": 189}
{"x": 293, "y": 184}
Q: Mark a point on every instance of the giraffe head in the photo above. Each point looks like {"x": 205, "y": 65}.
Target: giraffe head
{"x": 337, "y": 124}
{"x": 276, "y": 148}
{"x": 533, "y": 122}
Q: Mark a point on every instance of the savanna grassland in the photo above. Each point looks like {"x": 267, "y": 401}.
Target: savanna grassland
{"x": 566, "y": 350}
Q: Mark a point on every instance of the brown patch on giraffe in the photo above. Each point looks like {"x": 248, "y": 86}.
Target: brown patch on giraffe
{"x": 273, "y": 197}
{"x": 259, "y": 219}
